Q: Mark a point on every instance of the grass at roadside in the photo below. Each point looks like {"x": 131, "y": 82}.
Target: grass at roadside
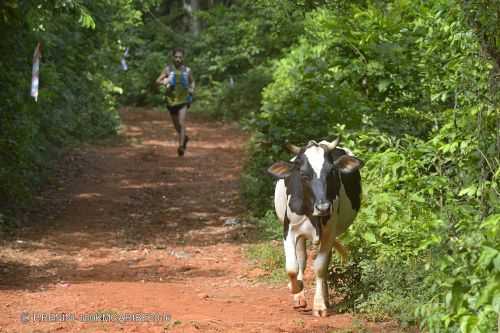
{"x": 268, "y": 254}
{"x": 269, "y": 257}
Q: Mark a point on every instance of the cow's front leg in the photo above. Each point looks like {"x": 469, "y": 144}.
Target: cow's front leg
{"x": 320, "y": 306}
{"x": 299, "y": 299}
{"x": 291, "y": 264}
{"x": 326, "y": 294}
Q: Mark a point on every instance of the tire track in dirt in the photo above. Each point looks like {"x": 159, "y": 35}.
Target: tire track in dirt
{"x": 129, "y": 227}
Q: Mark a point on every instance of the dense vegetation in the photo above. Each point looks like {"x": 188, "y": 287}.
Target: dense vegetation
{"x": 81, "y": 48}
{"x": 411, "y": 86}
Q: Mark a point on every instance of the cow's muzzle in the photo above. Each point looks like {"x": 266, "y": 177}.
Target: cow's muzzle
{"x": 322, "y": 208}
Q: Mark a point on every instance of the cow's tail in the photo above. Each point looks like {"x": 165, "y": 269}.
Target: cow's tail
{"x": 344, "y": 254}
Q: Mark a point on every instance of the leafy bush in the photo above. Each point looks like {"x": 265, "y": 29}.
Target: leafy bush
{"x": 269, "y": 257}
{"x": 465, "y": 286}
{"x": 80, "y": 60}
{"x": 232, "y": 56}
{"x": 236, "y": 100}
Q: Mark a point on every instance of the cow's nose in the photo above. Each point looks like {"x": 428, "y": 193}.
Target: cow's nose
{"x": 323, "y": 206}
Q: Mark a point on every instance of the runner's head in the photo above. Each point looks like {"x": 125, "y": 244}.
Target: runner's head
{"x": 178, "y": 55}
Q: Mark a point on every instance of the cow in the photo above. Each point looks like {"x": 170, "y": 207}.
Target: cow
{"x": 317, "y": 197}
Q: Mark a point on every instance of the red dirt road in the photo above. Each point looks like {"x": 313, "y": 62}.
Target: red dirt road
{"x": 128, "y": 227}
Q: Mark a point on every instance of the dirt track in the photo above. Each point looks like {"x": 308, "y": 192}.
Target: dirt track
{"x": 129, "y": 227}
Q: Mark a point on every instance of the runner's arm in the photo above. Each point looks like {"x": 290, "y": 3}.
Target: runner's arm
{"x": 191, "y": 82}
{"x": 163, "y": 75}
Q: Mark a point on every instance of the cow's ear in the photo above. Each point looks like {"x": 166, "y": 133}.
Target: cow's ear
{"x": 348, "y": 164}
{"x": 280, "y": 169}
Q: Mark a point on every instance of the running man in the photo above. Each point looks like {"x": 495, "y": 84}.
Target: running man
{"x": 180, "y": 88}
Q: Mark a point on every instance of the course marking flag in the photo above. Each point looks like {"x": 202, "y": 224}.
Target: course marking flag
{"x": 36, "y": 71}
{"x": 122, "y": 61}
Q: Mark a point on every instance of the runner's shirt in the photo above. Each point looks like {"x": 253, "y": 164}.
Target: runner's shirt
{"x": 178, "y": 79}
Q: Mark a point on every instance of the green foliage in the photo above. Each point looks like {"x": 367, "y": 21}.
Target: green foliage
{"x": 242, "y": 37}
{"x": 233, "y": 54}
{"x": 466, "y": 286}
{"x": 233, "y": 100}
{"x": 269, "y": 228}
{"x": 242, "y": 99}
{"x": 269, "y": 257}
{"x": 256, "y": 185}
{"x": 80, "y": 56}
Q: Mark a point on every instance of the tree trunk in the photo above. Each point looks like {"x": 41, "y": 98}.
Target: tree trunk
{"x": 192, "y": 6}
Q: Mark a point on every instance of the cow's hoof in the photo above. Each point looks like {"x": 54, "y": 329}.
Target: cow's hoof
{"x": 299, "y": 300}
{"x": 320, "y": 313}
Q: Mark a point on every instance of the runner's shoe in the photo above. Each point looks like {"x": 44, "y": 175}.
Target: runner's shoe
{"x": 180, "y": 151}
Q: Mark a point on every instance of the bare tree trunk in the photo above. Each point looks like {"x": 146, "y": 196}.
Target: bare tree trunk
{"x": 192, "y": 6}
{"x": 195, "y": 27}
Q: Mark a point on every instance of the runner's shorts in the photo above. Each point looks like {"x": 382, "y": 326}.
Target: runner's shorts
{"x": 175, "y": 108}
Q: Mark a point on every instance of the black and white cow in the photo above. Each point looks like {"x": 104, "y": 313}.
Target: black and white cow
{"x": 317, "y": 197}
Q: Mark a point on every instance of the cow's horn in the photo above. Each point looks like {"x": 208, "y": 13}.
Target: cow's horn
{"x": 331, "y": 146}
{"x": 293, "y": 148}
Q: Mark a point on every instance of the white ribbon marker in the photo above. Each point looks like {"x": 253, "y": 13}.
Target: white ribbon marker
{"x": 36, "y": 71}
{"x": 122, "y": 61}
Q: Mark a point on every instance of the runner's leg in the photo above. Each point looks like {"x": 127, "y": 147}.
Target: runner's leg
{"x": 182, "y": 125}
{"x": 178, "y": 128}
{"x": 175, "y": 120}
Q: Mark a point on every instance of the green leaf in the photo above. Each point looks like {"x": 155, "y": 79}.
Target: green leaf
{"x": 468, "y": 191}
{"x": 383, "y": 85}
{"x": 496, "y": 303}
{"x": 491, "y": 290}
{"x": 86, "y": 21}
{"x": 369, "y": 237}
{"x": 496, "y": 264}
{"x": 467, "y": 323}
{"x": 488, "y": 254}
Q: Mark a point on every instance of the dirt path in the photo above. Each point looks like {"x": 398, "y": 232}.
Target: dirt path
{"x": 128, "y": 227}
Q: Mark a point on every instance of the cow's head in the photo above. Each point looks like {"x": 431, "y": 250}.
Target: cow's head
{"x": 312, "y": 177}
